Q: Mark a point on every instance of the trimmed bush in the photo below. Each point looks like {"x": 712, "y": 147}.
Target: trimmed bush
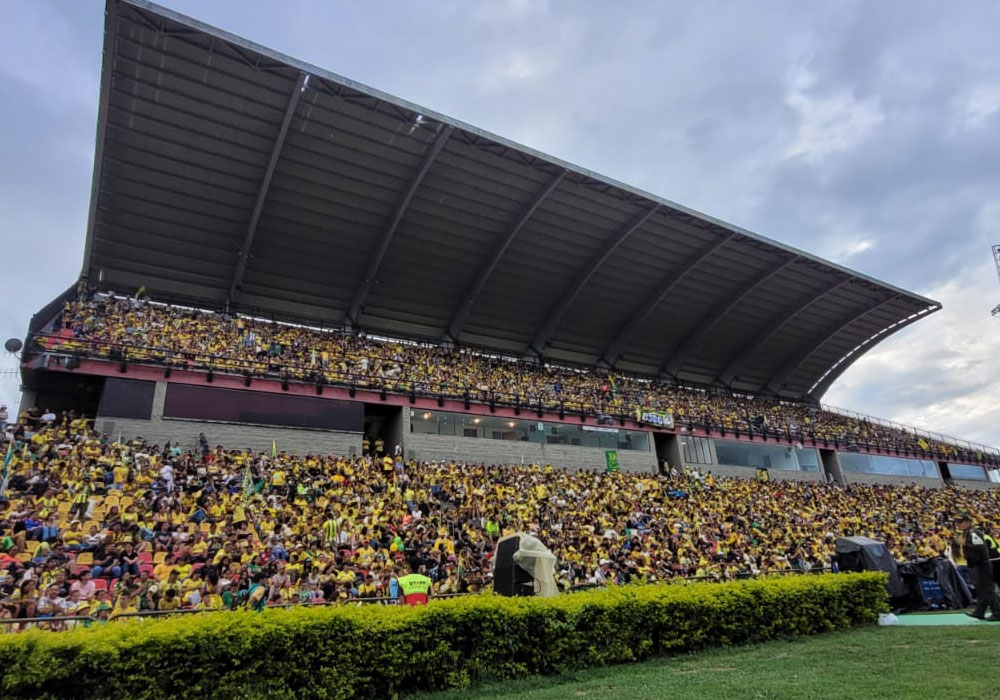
{"x": 379, "y": 652}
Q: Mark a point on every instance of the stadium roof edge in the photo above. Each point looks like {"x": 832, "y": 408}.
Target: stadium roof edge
{"x": 457, "y": 123}
{"x": 556, "y": 324}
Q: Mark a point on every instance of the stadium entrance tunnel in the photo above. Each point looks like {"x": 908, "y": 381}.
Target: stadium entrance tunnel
{"x": 668, "y": 451}
{"x": 385, "y": 422}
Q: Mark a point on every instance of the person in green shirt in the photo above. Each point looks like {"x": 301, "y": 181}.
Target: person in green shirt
{"x": 415, "y": 586}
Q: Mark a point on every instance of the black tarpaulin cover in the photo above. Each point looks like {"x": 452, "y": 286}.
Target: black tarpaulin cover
{"x": 954, "y": 591}
{"x": 863, "y": 554}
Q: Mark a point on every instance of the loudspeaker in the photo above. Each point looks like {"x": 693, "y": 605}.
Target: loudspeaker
{"x": 509, "y": 579}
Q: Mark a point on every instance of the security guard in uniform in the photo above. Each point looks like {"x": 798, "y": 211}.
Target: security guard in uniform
{"x": 977, "y": 557}
{"x": 415, "y": 587}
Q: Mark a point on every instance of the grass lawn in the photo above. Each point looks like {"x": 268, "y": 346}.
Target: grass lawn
{"x": 876, "y": 662}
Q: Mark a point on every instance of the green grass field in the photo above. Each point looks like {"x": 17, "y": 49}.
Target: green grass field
{"x": 877, "y": 662}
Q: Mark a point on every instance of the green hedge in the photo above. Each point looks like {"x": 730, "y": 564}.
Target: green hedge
{"x": 378, "y": 652}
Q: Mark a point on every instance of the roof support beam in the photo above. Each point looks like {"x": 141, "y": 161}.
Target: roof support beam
{"x": 761, "y": 339}
{"x": 614, "y": 351}
{"x": 694, "y": 338}
{"x": 824, "y": 382}
{"x": 485, "y": 270}
{"x": 788, "y": 369}
{"x": 558, "y": 311}
{"x": 365, "y": 284}
{"x": 265, "y": 185}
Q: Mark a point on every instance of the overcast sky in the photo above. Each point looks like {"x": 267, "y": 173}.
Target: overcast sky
{"x": 868, "y": 133}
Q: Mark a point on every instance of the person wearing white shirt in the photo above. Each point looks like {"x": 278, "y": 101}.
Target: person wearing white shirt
{"x": 167, "y": 474}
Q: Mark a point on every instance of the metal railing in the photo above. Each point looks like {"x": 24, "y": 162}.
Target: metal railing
{"x": 277, "y": 368}
{"x": 256, "y": 315}
{"x": 917, "y": 432}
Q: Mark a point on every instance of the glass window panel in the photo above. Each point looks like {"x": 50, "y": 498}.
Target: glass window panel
{"x": 524, "y": 430}
{"x": 421, "y": 424}
{"x": 967, "y": 471}
{"x": 695, "y": 450}
{"x": 808, "y": 459}
{"x": 889, "y": 466}
{"x": 746, "y": 454}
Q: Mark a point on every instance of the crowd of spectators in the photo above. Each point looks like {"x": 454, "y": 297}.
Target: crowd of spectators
{"x": 100, "y": 527}
{"x": 138, "y": 330}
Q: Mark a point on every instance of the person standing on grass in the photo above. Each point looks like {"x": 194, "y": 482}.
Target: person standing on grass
{"x": 977, "y": 557}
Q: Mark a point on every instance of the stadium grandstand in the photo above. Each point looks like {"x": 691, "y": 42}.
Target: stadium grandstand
{"x": 320, "y": 330}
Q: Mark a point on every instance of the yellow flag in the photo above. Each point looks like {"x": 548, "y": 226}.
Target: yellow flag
{"x": 924, "y": 445}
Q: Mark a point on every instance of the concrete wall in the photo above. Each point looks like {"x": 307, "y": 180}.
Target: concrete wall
{"x": 863, "y": 478}
{"x": 977, "y": 485}
{"x": 159, "y": 430}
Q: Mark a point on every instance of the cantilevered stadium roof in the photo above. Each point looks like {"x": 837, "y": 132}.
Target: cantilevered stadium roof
{"x": 227, "y": 172}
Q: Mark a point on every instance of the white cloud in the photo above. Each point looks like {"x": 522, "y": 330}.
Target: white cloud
{"x": 842, "y": 250}
{"x": 940, "y": 374}
{"x": 828, "y": 123}
{"x": 977, "y": 105}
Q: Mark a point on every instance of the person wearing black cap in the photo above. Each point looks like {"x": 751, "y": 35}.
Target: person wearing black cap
{"x": 977, "y": 557}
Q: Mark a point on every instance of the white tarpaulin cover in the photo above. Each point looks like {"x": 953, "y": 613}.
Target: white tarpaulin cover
{"x": 535, "y": 558}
